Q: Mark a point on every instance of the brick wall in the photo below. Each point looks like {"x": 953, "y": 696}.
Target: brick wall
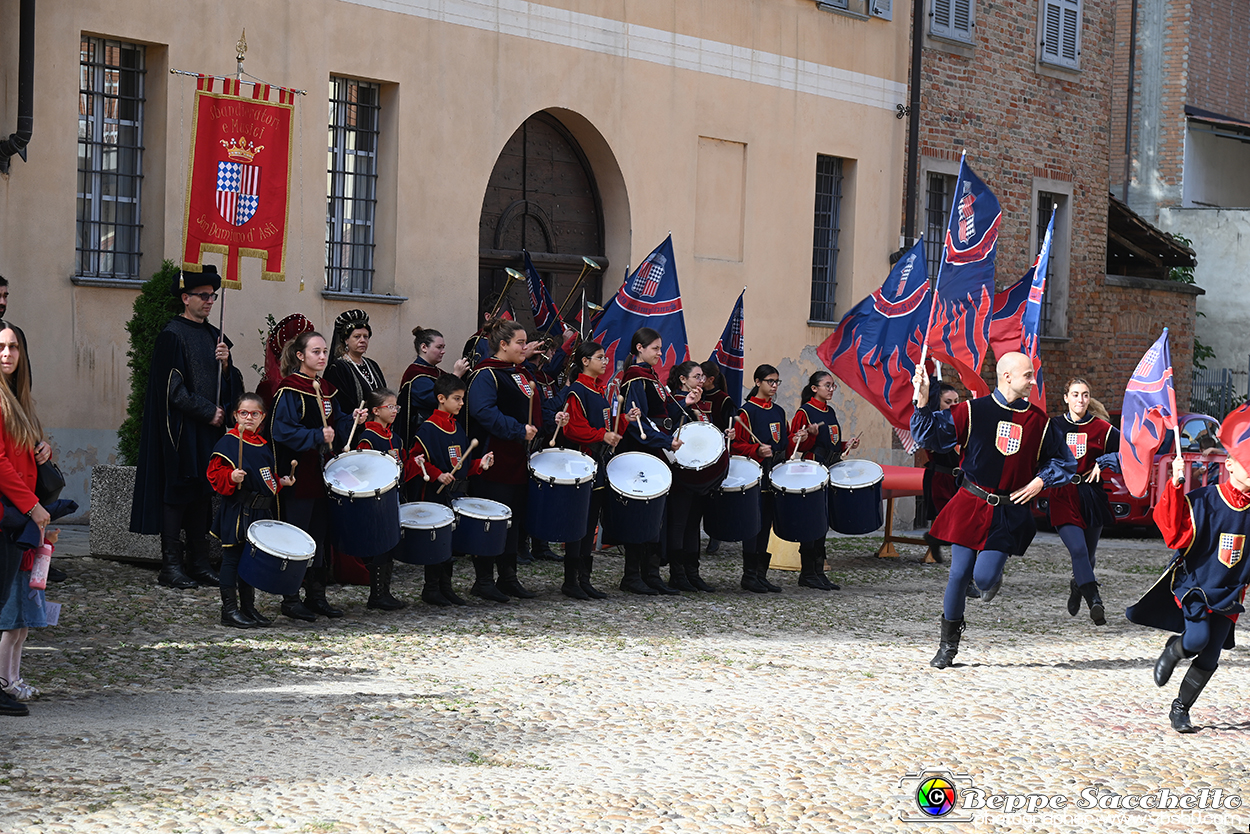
{"x": 1219, "y": 57}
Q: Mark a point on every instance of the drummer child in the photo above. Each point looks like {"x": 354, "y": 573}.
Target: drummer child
{"x": 441, "y": 444}
{"x": 377, "y": 435}
{"x": 249, "y": 493}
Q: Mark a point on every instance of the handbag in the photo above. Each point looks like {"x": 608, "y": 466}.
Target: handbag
{"x": 49, "y": 483}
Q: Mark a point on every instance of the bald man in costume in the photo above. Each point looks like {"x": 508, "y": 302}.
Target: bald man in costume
{"x": 1009, "y": 453}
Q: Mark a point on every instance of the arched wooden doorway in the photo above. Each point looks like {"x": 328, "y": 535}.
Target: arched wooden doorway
{"x": 541, "y": 197}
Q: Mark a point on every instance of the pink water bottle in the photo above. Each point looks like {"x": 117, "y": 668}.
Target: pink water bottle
{"x": 39, "y": 572}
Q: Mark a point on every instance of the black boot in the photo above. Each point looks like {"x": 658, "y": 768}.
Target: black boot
{"x": 1074, "y": 598}
{"x": 750, "y": 574}
{"x": 1173, "y": 653}
{"x": 1191, "y": 687}
{"x": 765, "y": 559}
{"x": 294, "y": 608}
{"x": 807, "y": 576}
{"x": 692, "y": 573}
{"x": 230, "y": 614}
{"x": 935, "y": 546}
{"x": 818, "y": 566}
{"x": 484, "y": 586}
{"x": 713, "y": 547}
{"x": 572, "y": 586}
{"x": 444, "y": 583}
{"x": 952, "y": 631}
{"x": 247, "y": 604}
{"x": 380, "y": 587}
{"x": 198, "y": 565}
{"x": 583, "y": 577}
{"x": 678, "y": 574}
{"x": 172, "y": 574}
{"x": 632, "y": 582}
{"x": 431, "y": 591}
{"x": 651, "y": 573}
{"x": 508, "y": 582}
{"x": 1096, "y": 612}
{"x": 542, "y": 551}
{"x": 315, "y": 595}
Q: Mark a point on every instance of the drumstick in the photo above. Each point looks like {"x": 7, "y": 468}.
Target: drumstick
{"x": 321, "y": 408}
{"x": 240, "y": 447}
{"x": 351, "y": 433}
{"x": 738, "y": 419}
{"x": 556, "y": 434}
{"x": 424, "y": 472}
{"x": 469, "y": 451}
{"x": 294, "y": 464}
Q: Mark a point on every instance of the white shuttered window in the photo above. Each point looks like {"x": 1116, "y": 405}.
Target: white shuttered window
{"x": 951, "y": 19}
{"x": 1061, "y": 32}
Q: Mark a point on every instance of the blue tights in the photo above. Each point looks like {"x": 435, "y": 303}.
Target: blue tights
{"x": 1082, "y": 545}
{"x": 1206, "y": 638}
{"x": 985, "y": 568}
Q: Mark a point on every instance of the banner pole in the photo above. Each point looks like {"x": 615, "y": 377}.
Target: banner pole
{"x": 924, "y": 350}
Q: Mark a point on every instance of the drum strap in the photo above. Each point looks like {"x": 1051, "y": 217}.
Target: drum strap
{"x": 991, "y": 498}
{"x": 257, "y": 501}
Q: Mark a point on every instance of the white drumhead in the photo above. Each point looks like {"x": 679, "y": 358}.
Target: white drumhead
{"x": 364, "y": 472}
{"x": 424, "y": 515}
{"x": 562, "y": 466}
{"x": 799, "y": 476}
{"x": 855, "y": 474}
{"x": 702, "y": 444}
{"x": 639, "y": 475}
{"x": 743, "y": 474}
{"x": 481, "y": 508}
{"x": 277, "y": 538}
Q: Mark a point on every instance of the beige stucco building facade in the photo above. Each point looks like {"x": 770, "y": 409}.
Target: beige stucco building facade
{"x": 700, "y": 118}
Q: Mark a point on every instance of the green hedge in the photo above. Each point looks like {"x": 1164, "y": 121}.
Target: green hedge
{"x": 153, "y": 309}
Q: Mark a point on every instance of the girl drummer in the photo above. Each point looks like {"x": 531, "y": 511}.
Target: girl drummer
{"x": 378, "y": 435}
{"x": 1079, "y": 510}
{"x": 763, "y": 437}
{"x": 304, "y": 424}
{"x": 505, "y": 414}
{"x": 590, "y": 430}
{"x": 716, "y": 403}
{"x": 685, "y": 501}
{"x": 416, "y": 390}
{"x": 823, "y": 444}
{"x": 641, "y": 390}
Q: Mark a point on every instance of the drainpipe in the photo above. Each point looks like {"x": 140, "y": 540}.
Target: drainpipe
{"x": 1128, "y": 116}
{"x": 913, "y": 126}
{"x": 17, "y": 142}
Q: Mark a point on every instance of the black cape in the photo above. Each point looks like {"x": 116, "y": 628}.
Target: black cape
{"x": 176, "y": 438}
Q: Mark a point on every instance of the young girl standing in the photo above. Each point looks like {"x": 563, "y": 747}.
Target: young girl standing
{"x": 378, "y": 435}
{"x": 416, "y": 390}
{"x": 686, "y": 503}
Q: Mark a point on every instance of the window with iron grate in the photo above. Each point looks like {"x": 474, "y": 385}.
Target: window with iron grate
{"x": 352, "y": 192}
{"x": 827, "y": 226}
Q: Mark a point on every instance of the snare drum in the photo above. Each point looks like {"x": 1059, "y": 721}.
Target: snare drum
{"x": 364, "y": 502}
{"x": 481, "y": 526}
{"x": 703, "y": 459}
{"x": 800, "y": 512}
{"x": 855, "y": 497}
{"x": 426, "y": 531}
{"x": 275, "y": 556}
{"x": 633, "y": 509}
{"x": 733, "y": 510}
{"x": 560, "y": 486}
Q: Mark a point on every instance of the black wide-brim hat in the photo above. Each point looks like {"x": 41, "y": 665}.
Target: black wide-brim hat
{"x": 186, "y": 281}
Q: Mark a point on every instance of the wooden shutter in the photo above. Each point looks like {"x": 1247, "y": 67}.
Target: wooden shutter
{"x": 1061, "y": 32}
{"x": 951, "y": 19}
{"x": 881, "y": 9}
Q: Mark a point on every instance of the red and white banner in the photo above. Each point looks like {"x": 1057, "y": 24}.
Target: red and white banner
{"x": 239, "y": 176}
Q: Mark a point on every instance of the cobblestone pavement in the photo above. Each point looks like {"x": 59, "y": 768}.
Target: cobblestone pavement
{"x": 728, "y": 712}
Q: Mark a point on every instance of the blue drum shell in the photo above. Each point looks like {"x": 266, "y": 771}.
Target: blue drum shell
{"x": 479, "y": 536}
{"x": 632, "y": 520}
{"x": 364, "y": 527}
{"x": 558, "y": 512}
{"x": 857, "y": 511}
{"x": 733, "y": 516}
{"x": 800, "y": 517}
{"x": 269, "y": 573}
{"x": 425, "y": 547}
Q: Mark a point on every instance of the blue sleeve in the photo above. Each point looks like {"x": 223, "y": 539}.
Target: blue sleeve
{"x": 484, "y": 408}
{"x": 286, "y": 428}
{"x": 636, "y": 395}
{"x": 556, "y": 366}
{"x": 934, "y": 430}
{"x": 421, "y": 393}
{"x": 1058, "y": 465}
{"x": 341, "y": 422}
{"x": 1110, "y": 459}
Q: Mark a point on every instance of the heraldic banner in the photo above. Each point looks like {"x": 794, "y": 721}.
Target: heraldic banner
{"x": 238, "y": 179}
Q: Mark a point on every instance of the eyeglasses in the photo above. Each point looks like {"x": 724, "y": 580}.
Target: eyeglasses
{"x": 242, "y": 413}
{"x": 828, "y": 385}
{"x": 771, "y": 381}
{"x": 391, "y": 407}
{"x": 204, "y": 296}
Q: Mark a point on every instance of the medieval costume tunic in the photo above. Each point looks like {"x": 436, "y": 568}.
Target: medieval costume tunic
{"x": 1080, "y": 503}
{"x": 767, "y": 422}
{"x": 641, "y": 389}
{"x": 823, "y": 444}
{"x": 177, "y": 436}
{"x": 444, "y": 443}
{"x": 416, "y": 398}
{"x": 254, "y": 499}
{"x": 352, "y": 382}
{"x": 719, "y": 407}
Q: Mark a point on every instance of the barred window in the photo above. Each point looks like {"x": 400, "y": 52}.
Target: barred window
{"x": 1046, "y": 203}
{"x": 827, "y": 225}
{"x": 352, "y": 185}
{"x": 110, "y": 158}
{"x": 937, "y": 210}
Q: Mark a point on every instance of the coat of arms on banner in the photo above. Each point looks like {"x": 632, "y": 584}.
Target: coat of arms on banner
{"x": 237, "y": 190}
{"x": 266, "y": 475}
{"x": 1231, "y": 547}
{"x": 1007, "y": 438}
{"x": 1078, "y": 442}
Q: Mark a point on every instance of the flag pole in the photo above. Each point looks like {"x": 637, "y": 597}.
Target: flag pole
{"x": 240, "y": 47}
{"x": 924, "y": 348}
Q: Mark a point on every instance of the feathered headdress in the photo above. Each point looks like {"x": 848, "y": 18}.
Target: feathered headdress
{"x": 281, "y": 333}
{"x": 347, "y": 322}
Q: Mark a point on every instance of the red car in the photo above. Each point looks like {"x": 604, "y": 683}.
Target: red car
{"x": 1200, "y": 447}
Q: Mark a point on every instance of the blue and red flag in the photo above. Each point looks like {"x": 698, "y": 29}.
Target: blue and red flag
{"x": 878, "y": 343}
{"x": 730, "y": 353}
{"x": 651, "y": 298}
{"x": 1017, "y": 316}
{"x": 1149, "y": 412}
{"x": 546, "y": 314}
{"x": 959, "y": 332}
